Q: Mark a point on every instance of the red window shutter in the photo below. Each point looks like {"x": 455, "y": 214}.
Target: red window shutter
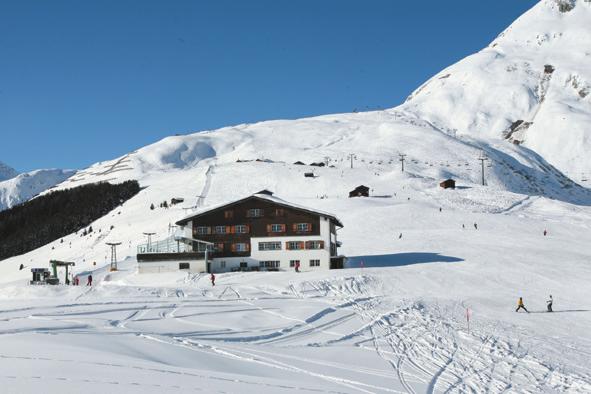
{"x": 294, "y": 227}
{"x": 308, "y": 226}
{"x": 247, "y": 247}
{"x": 321, "y": 244}
{"x": 302, "y": 245}
{"x": 233, "y": 247}
{"x": 283, "y": 228}
{"x": 229, "y": 230}
{"x": 247, "y": 228}
{"x": 308, "y": 245}
{"x": 287, "y": 246}
{"x": 269, "y": 228}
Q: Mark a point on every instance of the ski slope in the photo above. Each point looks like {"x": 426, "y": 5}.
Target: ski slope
{"x": 397, "y": 325}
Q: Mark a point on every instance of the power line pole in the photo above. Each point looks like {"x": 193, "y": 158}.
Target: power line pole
{"x": 482, "y": 159}
{"x": 402, "y": 160}
{"x": 113, "y": 246}
{"x": 352, "y": 156}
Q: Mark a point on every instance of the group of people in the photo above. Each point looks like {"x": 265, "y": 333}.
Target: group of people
{"x": 76, "y": 280}
{"x": 520, "y": 304}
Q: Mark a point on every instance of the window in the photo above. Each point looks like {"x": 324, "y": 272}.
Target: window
{"x": 240, "y": 247}
{"x": 314, "y": 263}
{"x": 279, "y": 212}
{"x": 254, "y": 213}
{"x": 220, "y": 229}
{"x": 184, "y": 266}
{"x": 201, "y": 230}
{"x": 241, "y": 229}
{"x": 302, "y": 227}
{"x": 315, "y": 245}
{"x": 222, "y": 264}
{"x": 276, "y": 228}
{"x": 243, "y": 264}
{"x": 228, "y": 214}
{"x": 269, "y": 245}
{"x": 269, "y": 264}
{"x": 294, "y": 245}
{"x": 201, "y": 247}
{"x": 292, "y": 263}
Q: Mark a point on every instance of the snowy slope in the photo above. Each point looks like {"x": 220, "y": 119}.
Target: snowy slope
{"x": 25, "y": 186}
{"x": 537, "y": 71}
{"x": 398, "y": 325}
{"x": 6, "y": 172}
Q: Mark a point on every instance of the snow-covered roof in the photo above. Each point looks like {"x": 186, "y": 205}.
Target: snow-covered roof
{"x": 261, "y": 196}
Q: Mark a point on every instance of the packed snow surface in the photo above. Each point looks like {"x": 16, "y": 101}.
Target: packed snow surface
{"x": 430, "y": 256}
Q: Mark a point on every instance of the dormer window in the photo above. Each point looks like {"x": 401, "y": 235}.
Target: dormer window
{"x": 254, "y": 213}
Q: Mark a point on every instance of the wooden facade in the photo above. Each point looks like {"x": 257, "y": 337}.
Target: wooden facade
{"x": 359, "y": 191}
{"x": 448, "y": 184}
{"x": 231, "y": 227}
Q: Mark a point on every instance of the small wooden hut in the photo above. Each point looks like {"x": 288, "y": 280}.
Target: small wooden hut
{"x": 448, "y": 184}
{"x": 359, "y": 191}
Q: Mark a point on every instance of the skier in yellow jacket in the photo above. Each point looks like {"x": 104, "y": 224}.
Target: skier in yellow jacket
{"x": 520, "y": 305}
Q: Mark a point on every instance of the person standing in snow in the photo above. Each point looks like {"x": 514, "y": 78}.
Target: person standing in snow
{"x": 297, "y": 266}
{"x": 520, "y": 305}
{"x": 212, "y": 278}
{"x": 549, "y": 303}
{"x": 476, "y": 226}
{"x": 545, "y": 233}
{"x": 89, "y": 282}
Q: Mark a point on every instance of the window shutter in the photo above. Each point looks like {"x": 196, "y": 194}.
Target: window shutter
{"x": 229, "y": 229}
{"x": 247, "y": 228}
{"x": 283, "y": 228}
{"x": 247, "y": 247}
{"x": 233, "y": 247}
{"x": 287, "y": 246}
{"x": 208, "y": 231}
{"x": 321, "y": 244}
{"x": 308, "y": 245}
{"x": 294, "y": 227}
{"x": 302, "y": 245}
{"x": 269, "y": 228}
{"x": 308, "y": 226}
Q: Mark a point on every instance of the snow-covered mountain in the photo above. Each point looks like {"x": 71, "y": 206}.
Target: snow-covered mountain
{"x": 432, "y": 257}
{"x": 24, "y": 186}
{"x": 6, "y": 172}
{"x": 531, "y": 85}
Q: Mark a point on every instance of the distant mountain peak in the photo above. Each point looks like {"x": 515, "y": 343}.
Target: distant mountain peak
{"x": 6, "y": 172}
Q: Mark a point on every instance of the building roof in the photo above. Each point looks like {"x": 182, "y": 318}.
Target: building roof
{"x": 261, "y": 196}
{"x": 361, "y": 187}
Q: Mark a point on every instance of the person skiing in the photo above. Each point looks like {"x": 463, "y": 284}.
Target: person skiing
{"x": 520, "y": 305}
{"x": 297, "y": 266}
{"x": 545, "y": 232}
{"x": 549, "y": 303}
{"x": 76, "y": 280}
{"x": 21, "y": 267}
{"x": 89, "y": 281}
{"x": 476, "y": 226}
{"x": 400, "y": 236}
{"x": 212, "y": 278}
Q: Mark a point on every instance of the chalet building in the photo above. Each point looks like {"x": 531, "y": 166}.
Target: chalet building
{"x": 259, "y": 232}
{"x": 359, "y": 191}
{"x": 448, "y": 184}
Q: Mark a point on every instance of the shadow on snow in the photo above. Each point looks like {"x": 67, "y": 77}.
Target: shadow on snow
{"x": 399, "y": 260}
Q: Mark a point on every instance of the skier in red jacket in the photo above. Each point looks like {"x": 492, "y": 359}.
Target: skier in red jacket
{"x": 212, "y": 278}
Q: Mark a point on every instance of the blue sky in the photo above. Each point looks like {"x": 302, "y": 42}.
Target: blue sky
{"x": 85, "y": 81}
